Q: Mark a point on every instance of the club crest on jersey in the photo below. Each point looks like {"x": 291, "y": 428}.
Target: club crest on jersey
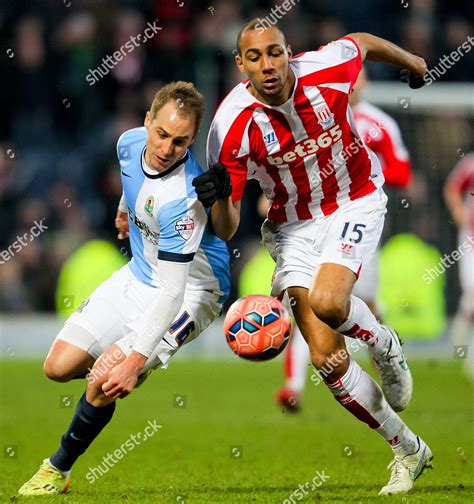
{"x": 149, "y": 203}
{"x": 185, "y": 227}
{"x": 325, "y": 116}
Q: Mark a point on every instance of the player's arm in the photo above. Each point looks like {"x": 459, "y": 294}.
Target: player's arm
{"x": 157, "y": 318}
{"x": 121, "y": 219}
{"x": 225, "y": 218}
{"x": 375, "y": 48}
{"x": 214, "y": 189}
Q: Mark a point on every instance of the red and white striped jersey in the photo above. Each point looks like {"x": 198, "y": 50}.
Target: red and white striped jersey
{"x": 462, "y": 180}
{"x": 382, "y": 135}
{"x": 307, "y": 153}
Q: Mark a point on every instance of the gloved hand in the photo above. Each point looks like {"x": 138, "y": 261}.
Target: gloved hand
{"x": 414, "y": 80}
{"x": 213, "y": 185}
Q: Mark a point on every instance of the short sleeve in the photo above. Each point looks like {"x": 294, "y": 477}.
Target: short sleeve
{"x": 182, "y": 224}
{"x": 335, "y": 64}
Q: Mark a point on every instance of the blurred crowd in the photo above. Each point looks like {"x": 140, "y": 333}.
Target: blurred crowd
{"x": 58, "y": 132}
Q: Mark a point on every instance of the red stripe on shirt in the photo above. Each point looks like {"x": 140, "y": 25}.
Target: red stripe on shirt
{"x": 297, "y": 168}
{"x": 329, "y": 185}
{"x": 277, "y": 211}
{"x": 230, "y": 148}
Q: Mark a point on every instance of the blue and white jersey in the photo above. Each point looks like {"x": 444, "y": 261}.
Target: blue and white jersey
{"x": 167, "y": 221}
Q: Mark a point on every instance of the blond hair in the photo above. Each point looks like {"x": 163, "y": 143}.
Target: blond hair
{"x": 187, "y": 97}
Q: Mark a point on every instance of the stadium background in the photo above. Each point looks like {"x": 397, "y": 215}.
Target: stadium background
{"x": 58, "y": 136}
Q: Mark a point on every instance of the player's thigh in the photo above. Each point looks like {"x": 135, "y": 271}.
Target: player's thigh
{"x": 65, "y": 360}
{"x": 104, "y": 315}
{"x": 198, "y": 310}
{"x": 325, "y": 344}
{"x": 291, "y": 246}
{"x": 349, "y": 237}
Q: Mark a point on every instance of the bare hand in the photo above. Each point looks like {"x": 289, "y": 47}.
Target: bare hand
{"x": 121, "y": 381}
{"x": 121, "y": 223}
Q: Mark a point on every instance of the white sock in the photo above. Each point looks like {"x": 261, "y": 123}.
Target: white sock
{"x": 361, "y": 324}
{"x": 361, "y": 395}
{"x": 296, "y": 361}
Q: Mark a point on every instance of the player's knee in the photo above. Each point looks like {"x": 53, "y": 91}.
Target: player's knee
{"x": 54, "y": 371}
{"x": 329, "y": 306}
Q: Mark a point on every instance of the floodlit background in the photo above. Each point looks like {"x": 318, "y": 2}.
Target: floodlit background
{"x": 58, "y": 133}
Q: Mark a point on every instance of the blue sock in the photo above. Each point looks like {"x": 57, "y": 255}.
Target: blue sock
{"x": 85, "y": 426}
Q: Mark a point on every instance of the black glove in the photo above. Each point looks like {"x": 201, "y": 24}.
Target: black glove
{"x": 415, "y": 81}
{"x": 213, "y": 185}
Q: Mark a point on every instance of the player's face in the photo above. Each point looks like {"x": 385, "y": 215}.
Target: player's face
{"x": 265, "y": 60}
{"x": 170, "y": 133}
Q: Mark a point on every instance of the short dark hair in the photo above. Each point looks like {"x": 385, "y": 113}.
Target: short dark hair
{"x": 255, "y": 24}
{"x": 189, "y": 99}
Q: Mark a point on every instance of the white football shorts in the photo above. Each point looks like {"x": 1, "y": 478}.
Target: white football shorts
{"x": 113, "y": 314}
{"x": 367, "y": 284}
{"x": 349, "y": 237}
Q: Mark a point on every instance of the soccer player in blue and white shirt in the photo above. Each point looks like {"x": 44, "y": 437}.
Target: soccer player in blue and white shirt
{"x": 170, "y": 291}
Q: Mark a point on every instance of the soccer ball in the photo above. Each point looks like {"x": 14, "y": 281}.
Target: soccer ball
{"x": 257, "y": 327}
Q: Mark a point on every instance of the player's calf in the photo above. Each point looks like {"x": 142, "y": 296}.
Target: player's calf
{"x": 332, "y": 362}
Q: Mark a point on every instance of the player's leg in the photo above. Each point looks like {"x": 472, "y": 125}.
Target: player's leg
{"x": 332, "y": 302}
{"x": 296, "y": 364}
{"x": 348, "y": 239}
{"x": 95, "y": 326}
{"x": 354, "y": 389}
{"x": 93, "y": 412}
{"x": 67, "y": 359}
{"x": 366, "y": 286}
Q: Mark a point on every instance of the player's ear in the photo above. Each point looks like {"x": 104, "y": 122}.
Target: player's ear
{"x": 147, "y": 120}
{"x": 193, "y": 139}
{"x": 290, "y": 52}
{"x": 239, "y": 63}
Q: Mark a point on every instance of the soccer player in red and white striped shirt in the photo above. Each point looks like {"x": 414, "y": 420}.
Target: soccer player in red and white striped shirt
{"x": 290, "y": 127}
{"x": 382, "y": 135}
{"x": 459, "y": 196}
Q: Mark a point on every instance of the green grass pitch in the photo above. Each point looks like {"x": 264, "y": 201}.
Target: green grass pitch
{"x": 224, "y": 440}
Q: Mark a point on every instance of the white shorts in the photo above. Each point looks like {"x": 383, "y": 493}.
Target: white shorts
{"x": 115, "y": 309}
{"x": 367, "y": 284}
{"x": 349, "y": 237}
